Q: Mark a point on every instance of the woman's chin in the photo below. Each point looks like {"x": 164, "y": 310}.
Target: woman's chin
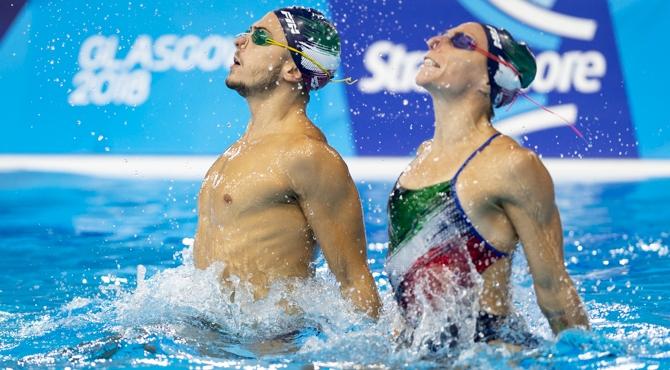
{"x": 422, "y": 80}
{"x": 426, "y": 83}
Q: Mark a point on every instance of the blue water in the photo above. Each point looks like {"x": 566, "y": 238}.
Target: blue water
{"x": 70, "y": 293}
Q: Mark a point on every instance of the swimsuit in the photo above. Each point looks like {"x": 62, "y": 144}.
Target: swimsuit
{"x": 429, "y": 229}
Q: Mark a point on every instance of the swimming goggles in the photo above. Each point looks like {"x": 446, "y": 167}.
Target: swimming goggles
{"x": 261, "y": 37}
{"x": 461, "y": 40}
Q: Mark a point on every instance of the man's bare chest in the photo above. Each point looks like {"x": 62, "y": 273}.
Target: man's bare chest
{"x": 243, "y": 180}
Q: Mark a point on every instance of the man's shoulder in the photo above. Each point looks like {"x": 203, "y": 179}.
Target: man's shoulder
{"x": 314, "y": 167}
{"x": 305, "y": 152}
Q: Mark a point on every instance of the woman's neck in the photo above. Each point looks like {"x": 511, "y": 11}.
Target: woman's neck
{"x": 460, "y": 122}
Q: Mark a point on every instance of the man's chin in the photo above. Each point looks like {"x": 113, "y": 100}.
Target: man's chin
{"x": 237, "y": 86}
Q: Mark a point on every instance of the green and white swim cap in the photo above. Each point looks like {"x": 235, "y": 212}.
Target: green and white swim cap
{"x": 309, "y": 31}
{"x": 505, "y": 82}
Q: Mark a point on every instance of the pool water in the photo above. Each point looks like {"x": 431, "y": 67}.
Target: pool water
{"x": 99, "y": 272}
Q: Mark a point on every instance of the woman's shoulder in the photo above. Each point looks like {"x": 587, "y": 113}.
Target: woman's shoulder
{"x": 424, "y": 146}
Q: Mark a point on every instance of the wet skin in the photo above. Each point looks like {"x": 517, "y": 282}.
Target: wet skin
{"x": 505, "y": 190}
{"x": 251, "y": 216}
{"x": 281, "y": 190}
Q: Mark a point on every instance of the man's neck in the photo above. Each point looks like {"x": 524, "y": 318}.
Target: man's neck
{"x": 460, "y": 122}
{"x": 274, "y": 112}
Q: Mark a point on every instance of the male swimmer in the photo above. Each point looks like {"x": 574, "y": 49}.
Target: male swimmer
{"x": 471, "y": 194}
{"x": 281, "y": 189}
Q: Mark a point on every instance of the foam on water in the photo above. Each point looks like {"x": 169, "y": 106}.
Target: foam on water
{"x": 183, "y": 315}
{"x": 184, "y": 311}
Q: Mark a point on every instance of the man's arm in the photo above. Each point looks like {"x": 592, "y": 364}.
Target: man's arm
{"x": 331, "y": 205}
{"x": 531, "y": 207}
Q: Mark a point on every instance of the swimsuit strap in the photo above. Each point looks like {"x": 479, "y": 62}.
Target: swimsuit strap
{"x": 477, "y": 151}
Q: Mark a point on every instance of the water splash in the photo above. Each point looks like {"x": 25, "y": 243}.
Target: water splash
{"x": 183, "y": 315}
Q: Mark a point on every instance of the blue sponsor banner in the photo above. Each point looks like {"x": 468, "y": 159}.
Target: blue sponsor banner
{"x": 124, "y": 77}
{"x": 579, "y": 74}
{"x": 134, "y": 77}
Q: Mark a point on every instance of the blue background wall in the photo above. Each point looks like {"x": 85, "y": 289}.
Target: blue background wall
{"x": 640, "y": 28}
{"x": 186, "y": 111}
{"x": 190, "y": 111}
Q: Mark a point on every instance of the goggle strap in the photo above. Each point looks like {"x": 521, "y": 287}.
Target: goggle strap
{"x": 497, "y": 59}
{"x": 347, "y": 80}
{"x": 269, "y": 41}
{"x": 512, "y": 102}
{"x": 322, "y": 68}
{"x": 572, "y": 126}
